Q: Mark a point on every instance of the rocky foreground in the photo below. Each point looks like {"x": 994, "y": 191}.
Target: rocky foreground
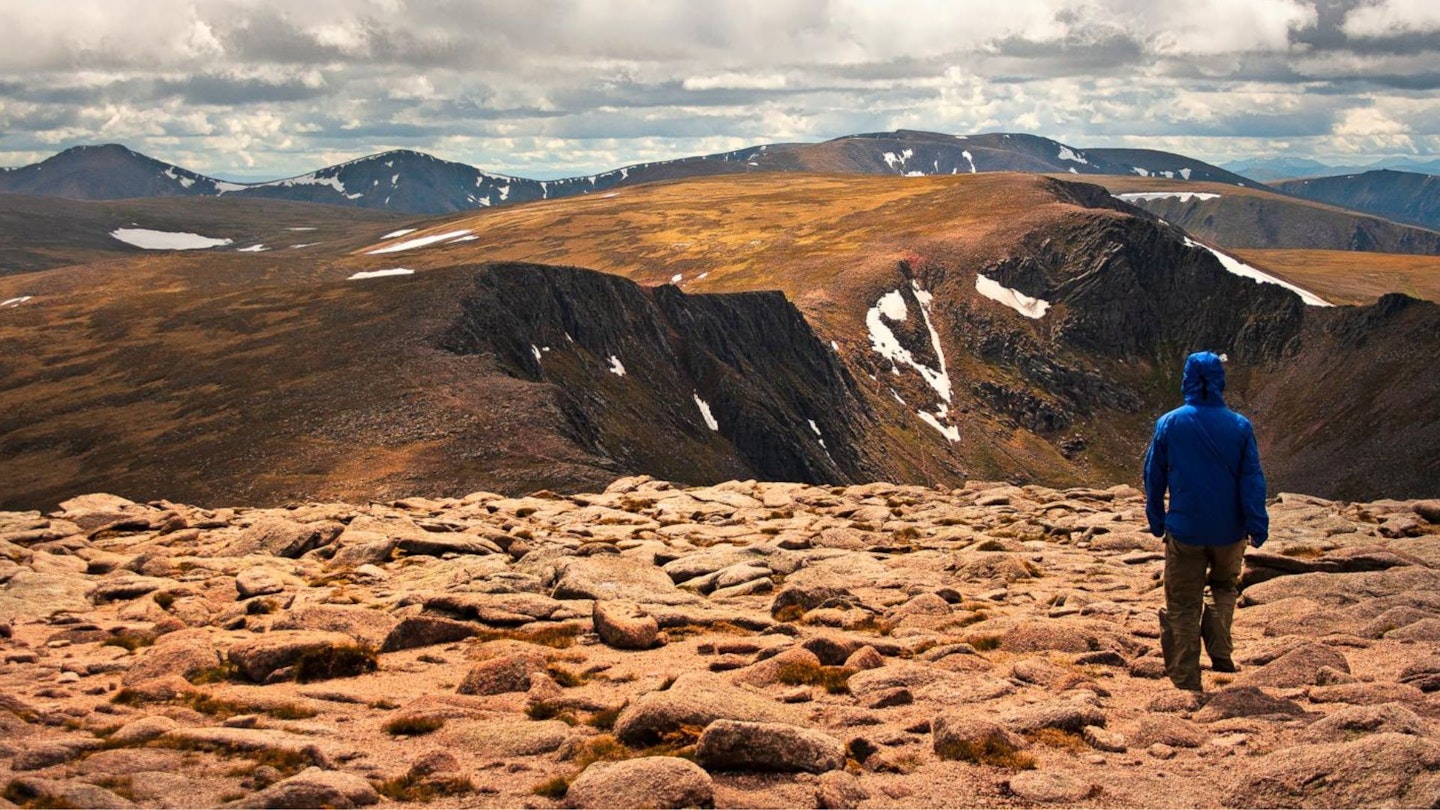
{"x": 746, "y": 644}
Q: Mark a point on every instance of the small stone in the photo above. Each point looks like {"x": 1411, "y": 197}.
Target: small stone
{"x": 1161, "y": 751}
{"x": 838, "y": 790}
{"x": 625, "y": 626}
{"x": 866, "y": 657}
{"x": 645, "y": 782}
{"x": 505, "y": 673}
{"x": 1104, "y": 739}
{"x": 1048, "y": 787}
{"x": 886, "y": 698}
{"x": 738, "y": 745}
{"x": 257, "y": 582}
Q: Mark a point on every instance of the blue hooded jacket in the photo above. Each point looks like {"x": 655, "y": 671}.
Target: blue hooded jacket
{"x": 1204, "y": 454}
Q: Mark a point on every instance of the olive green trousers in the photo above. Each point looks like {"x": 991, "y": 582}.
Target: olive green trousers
{"x": 1201, "y": 585}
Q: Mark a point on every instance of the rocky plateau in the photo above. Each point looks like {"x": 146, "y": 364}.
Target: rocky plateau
{"x": 744, "y": 644}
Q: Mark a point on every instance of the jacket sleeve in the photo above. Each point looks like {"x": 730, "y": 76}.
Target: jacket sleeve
{"x": 1157, "y": 474}
{"x": 1252, "y": 490}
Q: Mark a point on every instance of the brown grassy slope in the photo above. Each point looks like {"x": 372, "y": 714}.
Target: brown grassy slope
{"x": 1350, "y": 276}
{"x": 265, "y": 377}
{"x": 37, "y": 233}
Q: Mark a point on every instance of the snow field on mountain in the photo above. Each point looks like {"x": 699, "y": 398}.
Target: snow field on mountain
{"x": 394, "y": 271}
{"x": 421, "y": 241}
{"x": 886, "y": 343}
{"x": 1240, "y": 268}
{"x": 1016, "y": 300}
{"x": 1182, "y": 196}
{"x": 166, "y": 240}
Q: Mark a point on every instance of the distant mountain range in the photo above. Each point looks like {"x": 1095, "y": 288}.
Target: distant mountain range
{"x": 414, "y": 182}
{"x": 1266, "y": 170}
{"x": 1399, "y": 196}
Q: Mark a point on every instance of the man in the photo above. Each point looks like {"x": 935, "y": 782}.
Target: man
{"x": 1204, "y": 454}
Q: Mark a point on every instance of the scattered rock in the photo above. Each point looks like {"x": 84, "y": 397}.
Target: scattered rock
{"x": 646, "y": 782}
{"x": 1245, "y": 701}
{"x": 839, "y": 790}
{"x": 696, "y": 699}
{"x": 313, "y": 787}
{"x": 1048, "y": 787}
{"x": 1377, "y": 770}
{"x": 1298, "y": 667}
{"x": 503, "y": 673}
{"x": 739, "y": 745}
{"x": 625, "y": 626}
{"x": 257, "y": 658}
{"x": 970, "y": 739}
{"x": 1352, "y": 721}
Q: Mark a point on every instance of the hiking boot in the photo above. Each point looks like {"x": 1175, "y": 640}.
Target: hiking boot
{"x": 1224, "y": 665}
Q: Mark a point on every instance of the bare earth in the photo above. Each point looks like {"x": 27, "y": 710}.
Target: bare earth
{"x": 746, "y": 644}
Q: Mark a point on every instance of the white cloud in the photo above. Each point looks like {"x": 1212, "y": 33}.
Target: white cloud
{"x": 1390, "y": 17}
{"x": 559, "y": 87}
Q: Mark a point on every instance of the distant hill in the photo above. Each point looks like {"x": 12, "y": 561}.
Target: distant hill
{"x": 414, "y": 182}
{"x": 1266, "y": 170}
{"x": 1400, "y": 196}
{"x": 1259, "y": 217}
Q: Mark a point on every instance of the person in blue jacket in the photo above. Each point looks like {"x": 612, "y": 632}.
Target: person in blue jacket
{"x": 1204, "y": 455}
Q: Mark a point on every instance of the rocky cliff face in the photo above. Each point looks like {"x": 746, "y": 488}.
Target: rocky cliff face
{"x": 742, "y": 374}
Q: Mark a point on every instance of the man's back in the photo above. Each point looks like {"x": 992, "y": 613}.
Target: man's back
{"x": 1204, "y": 455}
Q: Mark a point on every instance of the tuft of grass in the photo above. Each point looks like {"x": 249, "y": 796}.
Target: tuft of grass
{"x": 128, "y": 640}
{"x": 121, "y": 785}
{"x": 803, "y": 673}
{"x": 1058, "y": 738}
{"x": 984, "y": 643}
{"x": 287, "y": 762}
{"x": 601, "y": 748}
{"x": 554, "y": 788}
{"x": 559, "y": 636}
{"x": 565, "y": 677}
{"x": 789, "y": 613}
{"x": 384, "y": 704}
{"x": 546, "y": 710}
{"x": 220, "y": 673}
{"x": 413, "y": 725}
{"x": 422, "y": 790}
{"x": 340, "y": 661}
{"x": 221, "y": 708}
{"x": 605, "y": 718}
{"x": 988, "y": 752}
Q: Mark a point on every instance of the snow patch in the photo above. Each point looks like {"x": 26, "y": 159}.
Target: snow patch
{"x": 1016, "y": 300}
{"x": 968, "y": 159}
{"x": 394, "y": 271}
{"x": 185, "y": 182}
{"x": 166, "y": 240}
{"x": 1239, "y": 268}
{"x": 706, "y": 414}
{"x": 535, "y": 350}
{"x": 1185, "y": 173}
{"x": 421, "y": 241}
{"x": 1140, "y": 171}
{"x": 948, "y": 431}
{"x": 11, "y": 303}
{"x": 253, "y": 249}
{"x": 1067, "y": 154}
{"x": 1182, "y": 196}
{"x": 399, "y": 233}
{"x": 677, "y": 278}
{"x": 616, "y": 367}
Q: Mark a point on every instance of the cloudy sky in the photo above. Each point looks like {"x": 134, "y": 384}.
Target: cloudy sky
{"x": 546, "y": 88}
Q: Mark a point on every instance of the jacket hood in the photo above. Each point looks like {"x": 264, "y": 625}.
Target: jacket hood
{"x": 1204, "y": 380}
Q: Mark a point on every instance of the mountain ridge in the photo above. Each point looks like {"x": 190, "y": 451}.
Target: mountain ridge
{"x": 437, "y": 186}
